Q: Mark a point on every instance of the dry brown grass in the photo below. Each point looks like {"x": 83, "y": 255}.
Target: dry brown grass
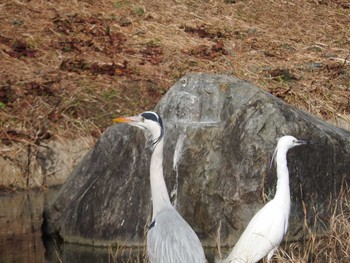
{"x": 78, "y": 63}
{"x": 127, "y": 254}
{"x": 333, "y": 247}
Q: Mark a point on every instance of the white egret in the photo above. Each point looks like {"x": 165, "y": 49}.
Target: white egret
{"x": 170, "y": 239}
{"x": 266, "y": 229}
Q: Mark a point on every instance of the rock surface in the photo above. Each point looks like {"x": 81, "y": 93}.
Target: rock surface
{"x": 220, "y": 136}
{"x": 45, "y": 165}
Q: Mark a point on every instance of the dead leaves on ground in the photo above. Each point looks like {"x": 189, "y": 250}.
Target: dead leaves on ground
{"x": 18, "y": 48}
{"x": 81, "y": 65}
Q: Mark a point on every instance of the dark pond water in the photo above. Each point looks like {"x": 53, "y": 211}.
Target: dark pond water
{"x": 21, "y": 237}
{"x": 20, "y": 223}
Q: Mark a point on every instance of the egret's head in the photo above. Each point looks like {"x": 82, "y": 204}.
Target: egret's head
{"x": 285, "y": 143}
{"x": 147, "y": 120}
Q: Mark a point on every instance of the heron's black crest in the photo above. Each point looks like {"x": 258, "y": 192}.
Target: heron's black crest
{"x": 150, "y": 115}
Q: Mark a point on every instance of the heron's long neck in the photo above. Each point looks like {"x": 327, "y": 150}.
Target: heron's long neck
{"x": 160, "y": 197}
{"x": 282, "y": 190}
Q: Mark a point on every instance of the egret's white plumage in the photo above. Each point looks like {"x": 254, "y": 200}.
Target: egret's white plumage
{"x": 266, "y": 229}
{"x": 170, "y": 239}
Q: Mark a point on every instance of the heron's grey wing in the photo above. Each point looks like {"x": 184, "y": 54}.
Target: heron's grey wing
{"x": 171, "y": 240}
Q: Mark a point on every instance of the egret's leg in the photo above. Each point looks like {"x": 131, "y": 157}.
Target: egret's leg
{"x": 269, "y": 256}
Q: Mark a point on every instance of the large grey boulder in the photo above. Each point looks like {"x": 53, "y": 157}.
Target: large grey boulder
{"x": 220, "y": 136}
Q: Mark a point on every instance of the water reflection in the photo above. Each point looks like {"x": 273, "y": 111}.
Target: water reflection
{"x": 87, "y": 254}
{"x": 21, "y": 237}
{"x": 20, "y": 223}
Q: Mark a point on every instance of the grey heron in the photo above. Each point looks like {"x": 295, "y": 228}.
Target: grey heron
{"x": 170, "y": 239}
{"x": 266, "y": 229}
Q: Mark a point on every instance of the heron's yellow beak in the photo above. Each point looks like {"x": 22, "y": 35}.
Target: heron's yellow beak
{"x": 122, "y": 120}
{"x": 133, "y": 119}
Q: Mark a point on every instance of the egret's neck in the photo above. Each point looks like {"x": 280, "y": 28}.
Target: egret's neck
{"x": 282, "y": 190}
{"x": 160, "y": 197}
